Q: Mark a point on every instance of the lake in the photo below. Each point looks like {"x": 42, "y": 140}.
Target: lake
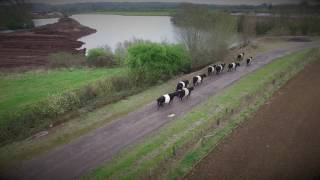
{"x": 112, "y": 29}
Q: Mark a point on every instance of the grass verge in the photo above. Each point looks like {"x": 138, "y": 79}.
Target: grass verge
{"x": 174, "y": 149}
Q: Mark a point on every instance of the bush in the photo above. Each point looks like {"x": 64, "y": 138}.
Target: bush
{"x": 153, "y": 62}
{"x": 100, "y": 57}
{"x": 64, "y": 59}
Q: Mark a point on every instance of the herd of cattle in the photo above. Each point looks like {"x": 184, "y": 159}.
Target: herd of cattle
{"x": 182, "y": 89}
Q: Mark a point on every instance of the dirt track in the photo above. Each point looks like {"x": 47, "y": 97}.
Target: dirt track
{"x": 282, "y": 140}
{"x": 75, "y": 159}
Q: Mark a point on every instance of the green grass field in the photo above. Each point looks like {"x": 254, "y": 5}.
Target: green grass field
{"x": 17, "y": 90}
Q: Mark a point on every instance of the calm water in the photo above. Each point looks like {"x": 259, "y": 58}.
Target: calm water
{"x": 112, "y": 29}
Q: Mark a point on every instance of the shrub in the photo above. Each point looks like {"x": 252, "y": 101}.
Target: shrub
{"x": 153, "y": 62}
{"x": 100, "y": 57}
{"x": 64, "y": 59}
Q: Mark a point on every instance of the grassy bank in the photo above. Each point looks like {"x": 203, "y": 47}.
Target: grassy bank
{"x": 32, "y": 101}
{"x": 21, "y": 89}
{"x": 177, "y": 146}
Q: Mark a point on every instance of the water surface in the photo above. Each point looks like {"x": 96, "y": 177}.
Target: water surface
{"x": 112, "y": 29}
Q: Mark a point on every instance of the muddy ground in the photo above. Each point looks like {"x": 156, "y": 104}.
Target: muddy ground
{"x": 281, "y": 141}
{"x": 31, "y": 48}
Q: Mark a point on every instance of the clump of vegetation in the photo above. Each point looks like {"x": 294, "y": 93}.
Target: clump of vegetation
{"x": 206, "y": 34}
{"x": 65, "y": 60}
{"x": 100, "y": 57}
{"x": 153, "y": 62}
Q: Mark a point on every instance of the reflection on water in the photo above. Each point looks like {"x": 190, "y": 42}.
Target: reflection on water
{"x": 112, "y": 29}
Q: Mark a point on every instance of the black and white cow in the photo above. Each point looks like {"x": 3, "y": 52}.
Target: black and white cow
{"x": 198, "y": 79}
{"x": 182, "y": 84}
{"x": 185, "y": 92}
{"x": 249, "y": 61}
{"x": 166, "y": 99}
{"x": 233, "y": 66}
{"x": 220, "y": 68}
{"x": 240, "y": 56}
{"x": 211, "y": 69}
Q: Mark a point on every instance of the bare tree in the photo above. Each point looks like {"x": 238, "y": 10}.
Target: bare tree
{"x": 248, "y": 27}
{"x": 205, "y": 34}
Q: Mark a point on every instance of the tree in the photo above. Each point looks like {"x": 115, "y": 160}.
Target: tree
{"x": 15, "y": 14}
{"x": 205, "y": 34}
{"x": 248, "y": 27}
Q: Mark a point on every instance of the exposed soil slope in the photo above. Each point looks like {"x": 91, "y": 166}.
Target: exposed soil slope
{"x": 31, "y": 48}
{"x": 281, "y": 141}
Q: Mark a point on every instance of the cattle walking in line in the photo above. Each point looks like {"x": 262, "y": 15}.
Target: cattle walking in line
{"x": 185, "y": 92}
{"x": 220, "y": 68}
{"x": 233, "y": 66}
{"x": 198, "y": 79}
{"x": 249, "y": 61}
{"x": 182, "y": 89}
{"x": 240, "y": 57}
{"x": 211, "y": 69}
{"x": 182, "y": 84}
{"x": 166, "y": 99}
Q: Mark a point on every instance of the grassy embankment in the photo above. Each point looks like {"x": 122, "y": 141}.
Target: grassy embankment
{"x": 175, "y": 148}
{"x": 32, "y": 101}
{"x": 21, "y": 89}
